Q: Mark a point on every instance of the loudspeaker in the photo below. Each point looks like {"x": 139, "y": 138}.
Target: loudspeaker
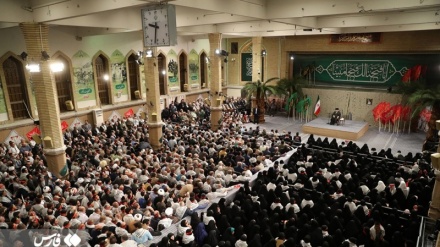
{"x": 435, "y": 161}
{"x": 154, "y": 117}
{"x": 37, "y": 122}
{"x": 69, "y": 105}
{"x": 47, "y": 142}
{"x": 137, "y": 94}
{"x": 234, "y": 47}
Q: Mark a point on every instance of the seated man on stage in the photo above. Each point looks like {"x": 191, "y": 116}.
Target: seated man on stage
{"x": 336, "y": 115}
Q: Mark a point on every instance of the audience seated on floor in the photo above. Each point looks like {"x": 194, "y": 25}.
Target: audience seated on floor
{"x": 238, "y": 186}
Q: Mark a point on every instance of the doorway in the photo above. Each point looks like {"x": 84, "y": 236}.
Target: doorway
{"x": 162, "y": 72}
{"x": 203, "y": 70}
{"x": 102, "y": 77}
{"x": 16, "y": 86}
{"x": 64, "y": 84}
{"x": 133, "y": 77}
{"x": 183, "y": 71}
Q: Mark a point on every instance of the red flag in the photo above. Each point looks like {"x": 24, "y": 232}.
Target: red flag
{"x": 407, "y": 76}
{"x": 397, "y": 110}
{"x": 406, "y": 113}
{"x": 379, "y": 109}
{"x": 64, "y": 125}
{"x": 34, "y": 131}
{"x": 415, "y": 72}
{"x": 129, "y": 113}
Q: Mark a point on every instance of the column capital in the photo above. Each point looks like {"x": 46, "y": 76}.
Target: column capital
{"x": 154, "y": 125}
{"x": 54, "y": 151}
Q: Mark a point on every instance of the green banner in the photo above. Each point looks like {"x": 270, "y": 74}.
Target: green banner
{"x": 2, "y": 99}
{"x": 354, "y": 69}
{"x": 84, "y": 85}
{"x": 172, "y": 79}
{"x": 193, "y": 67}
{"x": 246, "y": 66}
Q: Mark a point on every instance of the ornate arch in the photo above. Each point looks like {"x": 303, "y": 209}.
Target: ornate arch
{"x": 70, "y": 66}
{"x": 109, "y": 87}
{"x": 32, "y": 104}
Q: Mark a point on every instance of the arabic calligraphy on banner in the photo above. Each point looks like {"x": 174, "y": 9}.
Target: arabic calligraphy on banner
{"x": 377, "y": 71}
{"x": 381, "y": 70}
{"x": 246, "y": 66}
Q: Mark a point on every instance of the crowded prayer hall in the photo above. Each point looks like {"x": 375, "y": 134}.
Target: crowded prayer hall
{"x": 233, "y": 123}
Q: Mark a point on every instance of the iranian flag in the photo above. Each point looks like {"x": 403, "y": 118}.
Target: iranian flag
{"x": 317, "y": 107}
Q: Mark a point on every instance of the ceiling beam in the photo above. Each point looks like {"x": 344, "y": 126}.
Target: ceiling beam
{"x": 393, "y": 28}
{"x": 254, "y": 9}
{"x": 75, "y": 8}
{"x": 304, "y": 8}
{"x": 194, "y": 17}
{"x": 380, "y": 19}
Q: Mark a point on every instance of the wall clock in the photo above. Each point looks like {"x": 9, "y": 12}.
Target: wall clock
{"x": 159, "y": 25}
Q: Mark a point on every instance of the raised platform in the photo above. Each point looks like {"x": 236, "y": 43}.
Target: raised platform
{"x": 351, "y": 130}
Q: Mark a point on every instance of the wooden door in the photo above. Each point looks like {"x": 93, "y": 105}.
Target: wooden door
{"x": 161, "y": 67}
{"x": 101, "y": 70}
{"x": 64, "y": 85}
{"x": 133, "y": 76}
{"x": 182, "y": 67}
{"x": 16, "y": 85}
{"x": 203, "y": 70}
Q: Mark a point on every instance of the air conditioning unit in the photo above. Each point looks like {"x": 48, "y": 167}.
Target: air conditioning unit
{"x": 137, "y": 94}
{"x": 69, "y": 105}
{"x": 98, "y": 117}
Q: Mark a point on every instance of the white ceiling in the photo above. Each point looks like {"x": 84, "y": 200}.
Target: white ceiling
{"x": 232, "y": 18}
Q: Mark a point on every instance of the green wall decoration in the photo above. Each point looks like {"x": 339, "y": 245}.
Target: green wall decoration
{"x": 172, "y": 69}
{"x": 246, "y": 66}
{"x": 3, "y": 109}
{"x": 193, "y": 67}
{"x": 84, "y": 84}
{"x": 381, "y": 70}
{"x": 119, "y": 75}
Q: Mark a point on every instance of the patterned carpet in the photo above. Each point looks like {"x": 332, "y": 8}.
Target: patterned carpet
{"x": 405, "y": 142}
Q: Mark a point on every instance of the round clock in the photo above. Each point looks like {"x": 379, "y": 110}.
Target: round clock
{"x": 159, "y": 25}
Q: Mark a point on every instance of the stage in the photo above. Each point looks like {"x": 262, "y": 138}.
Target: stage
{"x": 351, "y": 130}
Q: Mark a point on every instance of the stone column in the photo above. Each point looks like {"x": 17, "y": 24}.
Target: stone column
{"x": 216, "y": 80}
{"x": 256, "y": 74}
{"x": 36, "y": 39}
{"x": 256, "y": 58}
{"x": 434, "y": 208}
{"x": 153, "y": 100}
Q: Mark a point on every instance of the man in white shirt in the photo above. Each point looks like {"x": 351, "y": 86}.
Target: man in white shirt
{"x": 165, "y": 221}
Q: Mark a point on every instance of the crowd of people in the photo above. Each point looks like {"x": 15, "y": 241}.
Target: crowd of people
{"x": 119, "y": 192}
